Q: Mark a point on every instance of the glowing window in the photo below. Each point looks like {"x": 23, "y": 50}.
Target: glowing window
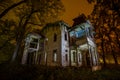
{"x": 54, "y": 55}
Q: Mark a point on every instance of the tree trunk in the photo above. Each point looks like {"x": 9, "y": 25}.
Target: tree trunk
{"x": 16, "y": 50}
{"x": 114, "y": 56}
{"x": 21, "y": 36}
{"x": 103, "y": 55}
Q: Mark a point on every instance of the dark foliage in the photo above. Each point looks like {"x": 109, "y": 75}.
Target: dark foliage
{"x": 28, "y": 72}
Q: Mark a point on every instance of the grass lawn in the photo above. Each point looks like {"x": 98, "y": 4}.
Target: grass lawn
{"x": 28, "y": 72}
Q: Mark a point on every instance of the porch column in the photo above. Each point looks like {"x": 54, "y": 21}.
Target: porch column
{"x": 25, "y": 55}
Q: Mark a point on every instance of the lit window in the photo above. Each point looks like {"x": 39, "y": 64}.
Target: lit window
{"x": 74, "y": 56}
{"x": 54, "y": 55}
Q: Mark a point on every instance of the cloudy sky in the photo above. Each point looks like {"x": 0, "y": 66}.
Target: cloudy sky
{"x": 74, "y": 8}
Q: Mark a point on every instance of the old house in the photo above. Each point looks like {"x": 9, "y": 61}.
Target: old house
{"x": 56, "y": 44}
{"x": 82, "y": 45}
{"x": 62, "y": 45}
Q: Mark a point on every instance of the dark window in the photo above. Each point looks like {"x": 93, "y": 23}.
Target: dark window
{"x": 66, "y": 50}
{"x": 35, "y": 40}
{"x": 74, "y": 56}
{"x": 65, "y": 36}
{"x": 54, "y": 55}
{"x": 55, "y": 37}
{"x": 66, "y": 57}
{"x": 79, "y": 57}
{"x": 34, "y": 43}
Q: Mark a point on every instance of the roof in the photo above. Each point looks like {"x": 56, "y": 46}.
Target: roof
{"x": 78, "y": 20}
{"x": 57, "y": 23}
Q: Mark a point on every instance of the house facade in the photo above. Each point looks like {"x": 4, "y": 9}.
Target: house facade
{"x": 56, "y": 44}
{"x": 62, "y": 45}
{"x": 34, "y": 45}
{"x": 83, "y": 49}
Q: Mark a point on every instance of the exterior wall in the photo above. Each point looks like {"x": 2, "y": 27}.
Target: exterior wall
{"x": 64, "y": 45}
{"x": 84, "y": 45}
{"x": 61, "y": 45}
{"x": 51, "y": 45}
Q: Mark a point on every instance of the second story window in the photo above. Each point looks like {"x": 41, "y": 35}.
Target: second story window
{"x": 55, "y": 37}
{"x": 65, "y": 36}
{"x": 34, "y": 43}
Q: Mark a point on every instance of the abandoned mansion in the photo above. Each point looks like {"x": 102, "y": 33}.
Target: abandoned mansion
{"x": 58, "y": 44}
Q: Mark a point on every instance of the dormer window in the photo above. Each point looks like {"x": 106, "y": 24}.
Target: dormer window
{"x": 34, "y": 43}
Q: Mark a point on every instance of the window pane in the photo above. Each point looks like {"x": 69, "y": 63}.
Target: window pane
{"x": 55, "y": 37}
{"x": 74, "y": 56}
{"x": 33, "y": 45}
{"x": 66, "y": 57}
{"x": 65, "y": 36}
{"x": 34, "y": 40}
{"x": 54, "y": 55}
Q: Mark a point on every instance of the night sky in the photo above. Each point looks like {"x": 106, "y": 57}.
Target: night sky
{"x": 75, "y": 7}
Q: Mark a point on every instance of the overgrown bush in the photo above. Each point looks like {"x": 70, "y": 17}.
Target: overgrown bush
{"x": 37, "y": 72}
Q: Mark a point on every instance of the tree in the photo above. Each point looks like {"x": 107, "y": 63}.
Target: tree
{"x": 6, "y": 39}
{"x": 27, "y": 13}
{"x": 105, "y": 19}
{"x": 7, "y": 5}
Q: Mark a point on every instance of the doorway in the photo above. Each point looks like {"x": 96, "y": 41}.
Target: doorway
{"x": 31, "y": 58}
